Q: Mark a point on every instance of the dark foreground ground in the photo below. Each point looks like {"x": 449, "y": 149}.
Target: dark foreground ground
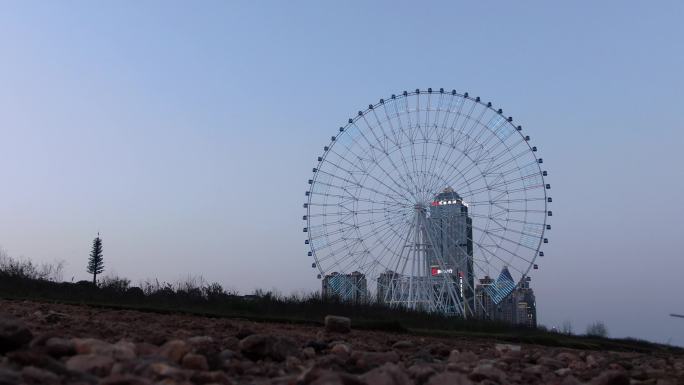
{"x": 83, "y": 345}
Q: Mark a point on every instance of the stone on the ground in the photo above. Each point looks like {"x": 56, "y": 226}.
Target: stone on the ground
{"x": 449, "y": 378}
{"x": 611, "y": 377}
{"x": 260, "y": 346}
{"x": 195, "y": 362}
{"x": 404, "y": 344}
{"x": 174, "y": 350}
{"x": 387, "y": 374}
{"x": 337, "y": 324}
{"x": 33, "y": 375}
{"x": 13, "y": 334}
{"x": 91, "y": 363}
{"x": 60, "y": 347}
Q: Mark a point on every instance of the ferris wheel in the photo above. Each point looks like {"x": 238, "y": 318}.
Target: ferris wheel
{"x": 422, "y": 199}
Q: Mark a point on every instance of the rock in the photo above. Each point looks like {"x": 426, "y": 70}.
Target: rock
{"x": 92, "y": 346}
{"x": 341, "y": 349}
{"x": 55, "y": 317}
{"x": 319, "y": 376}
{"x": 174, "y": 350}
{"x": 563, "y": 372}
{"x": 366, "y": 360}
{"x": 449, "y": 378}
{"x": 405, "y": 344}
{"x": 9, "y": 377}
{"x": 551, "y": 363}
{"x": 567, "y": 357}
{"x": 37, "y": 359}
{"x": 260, "y": 346}
{"x": 244, "y": 331}
{"x": 570, "y": 380}
{"x": 536, "y": 370}
{"x": 13, "y": 334}
{"x": 216, "y": 377}
{"x": 293, "y": 364}
{"x": 123, "y": 350}
{"x": 387, "y": 374}
{"x": 161, "y": 370}
{"x": 309, "y": 352}
{"x": 145, "y": 349}
{"x": 124, "y": 379}
{"x": 611, "y": 377}
{"x": 507, "y": 348}
{"x": 204, "y": 345}
{"x": 591, "y": 361}
{"x": 421, "y": 372}
{"x": 489, "y": 372}
{"x": 60, "y": 347}
{"x": 318, "y": 346}
{"x": 195, "y": 362}
{"x": 33, "y": 375}
{"x": 337, "y": 324}
{"x": 466, "y": 357}
{"x": 90, "y": 363}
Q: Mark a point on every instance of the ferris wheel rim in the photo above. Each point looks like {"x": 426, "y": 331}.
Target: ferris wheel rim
{"x": 405, "y": 95}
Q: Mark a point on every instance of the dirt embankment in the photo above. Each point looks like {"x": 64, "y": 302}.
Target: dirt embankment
{"x": 62, "y": 344}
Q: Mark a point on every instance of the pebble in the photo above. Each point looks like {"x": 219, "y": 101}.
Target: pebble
{"x": 387, "y": 374}
{"x": 174, "y": 350}
{"x": 611, "y": 377}
{"x": 260, "y": 346}
{"x": 405, "y": 344}
{"x": 449, "y": 378}
{"x": 466, "y": 357}
{"x": 341, "y": 349}
{"x": 33, "y": 375}
{"x": 507, "y": 348}
{"x": 60, "y": 347}
{"x": 90, "y": 363}
{"x": 366, "y": 360}
{"x": 489, "y": 372}
{"x": 337, "y": 324}
{"x": 309, "y": 352}
{"x": 13, "y": 334}
{"x": 9, "y": 377}
{"x": 124, "y": 379}
{"x": 215, "y": 377}
{"x": 195, "y": 362}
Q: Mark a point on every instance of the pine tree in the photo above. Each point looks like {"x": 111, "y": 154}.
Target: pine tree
{"x": 96, "y": 262}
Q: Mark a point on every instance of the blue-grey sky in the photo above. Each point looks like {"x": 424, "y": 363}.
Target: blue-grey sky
{"x": 185, "y": 133}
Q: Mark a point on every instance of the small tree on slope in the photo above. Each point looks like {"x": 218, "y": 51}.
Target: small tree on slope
{"x": 96, "y": 262}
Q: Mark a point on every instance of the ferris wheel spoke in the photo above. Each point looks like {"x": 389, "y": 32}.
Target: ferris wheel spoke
{"x": 390, "y": 159}
{"x": 367, "y": 173}
{"x": 365, "y": 187}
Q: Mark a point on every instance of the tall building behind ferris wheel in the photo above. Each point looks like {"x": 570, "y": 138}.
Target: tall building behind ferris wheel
{"x": 451, "y": 234}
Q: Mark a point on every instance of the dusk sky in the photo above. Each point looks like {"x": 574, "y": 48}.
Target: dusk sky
{"x": 185, "y": 132}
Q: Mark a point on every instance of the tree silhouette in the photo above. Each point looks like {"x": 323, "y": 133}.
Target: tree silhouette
{"x": 96, "y": 262}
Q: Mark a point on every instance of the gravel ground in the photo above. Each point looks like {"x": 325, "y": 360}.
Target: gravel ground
{"x": 44, "y": 343}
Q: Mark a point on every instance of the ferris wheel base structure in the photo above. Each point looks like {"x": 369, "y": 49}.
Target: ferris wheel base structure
{"x": 420, "y": 199}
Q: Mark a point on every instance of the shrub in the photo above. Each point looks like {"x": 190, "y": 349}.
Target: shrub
{"x": 597, "y": 329}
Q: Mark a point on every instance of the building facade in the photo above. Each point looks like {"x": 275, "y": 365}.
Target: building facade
{"x": 503, "y": 300}
{"x": 450, "y": 230}
{"x": 347, "y": 287}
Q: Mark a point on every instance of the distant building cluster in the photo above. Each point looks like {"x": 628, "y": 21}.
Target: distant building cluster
{"x": 450, "y": 253}
{"x": 503, "y": 300}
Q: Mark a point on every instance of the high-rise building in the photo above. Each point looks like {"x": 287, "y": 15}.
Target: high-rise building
{"x": 347, "y": 287}
{"x": 451, "y": 233}
{"x": 503, "y": 300}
